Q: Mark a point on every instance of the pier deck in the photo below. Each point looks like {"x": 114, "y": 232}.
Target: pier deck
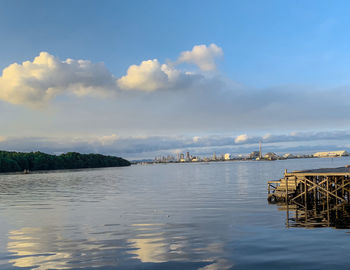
{"x": 318, "y": 192}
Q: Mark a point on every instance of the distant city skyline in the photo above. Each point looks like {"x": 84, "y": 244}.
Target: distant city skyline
{"x": 145, "y": 78}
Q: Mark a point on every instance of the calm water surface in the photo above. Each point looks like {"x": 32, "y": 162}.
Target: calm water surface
{"x": 176, "y": 216}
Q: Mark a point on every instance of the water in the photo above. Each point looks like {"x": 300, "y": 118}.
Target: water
{"x": 176, "y": 216}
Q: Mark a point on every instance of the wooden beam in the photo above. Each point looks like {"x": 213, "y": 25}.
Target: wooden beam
{"x": 317, "y": 174}
{"x": 342, "y": 186}
{"x": 328, "y": 192}
{"x": 327, "y": 203}
{"x": 286, "y": 178}
{"x": 311, "y": 188}
{"x": 301, "y": 194}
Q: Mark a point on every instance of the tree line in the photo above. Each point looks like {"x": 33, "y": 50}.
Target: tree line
{"x": 33, "y": 161}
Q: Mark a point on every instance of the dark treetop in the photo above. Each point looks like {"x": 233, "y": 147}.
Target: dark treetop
{"x": 15, "y": 162}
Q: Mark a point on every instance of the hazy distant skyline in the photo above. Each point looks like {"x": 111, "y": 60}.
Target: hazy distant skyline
{"x": 140, "y": 78}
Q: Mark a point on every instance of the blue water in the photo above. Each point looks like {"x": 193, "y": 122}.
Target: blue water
{"x": 176, "y": 216}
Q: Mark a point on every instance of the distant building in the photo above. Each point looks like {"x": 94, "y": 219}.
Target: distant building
{"x": 271, "y": 156}
{"x": 227, "y": 156}
{"x": 331, "y": 154}
{"x": 188, "y": 156}
{"x": 288, "y": 155}
{"x": 260, "y": 152}
{"x": 254, "y": 154}
{"x": 214, "y": 156}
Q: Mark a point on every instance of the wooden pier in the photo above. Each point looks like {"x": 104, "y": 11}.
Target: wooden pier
{"x": 318, "y": 197}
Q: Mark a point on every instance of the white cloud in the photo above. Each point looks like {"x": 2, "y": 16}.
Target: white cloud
{"x": 150, "y": 75}
{"x": 241, "y": 138}
{"x": 36, "y": 82}
{"x": 195, "y": 139}
{"x": 147, "y": 76}
{"x": 267, "y": 136}
{"x": 108, "y": 139}
{"x": 203, "y": 56}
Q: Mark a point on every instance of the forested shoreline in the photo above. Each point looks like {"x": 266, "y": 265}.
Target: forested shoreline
{"x": 35, "y": 161}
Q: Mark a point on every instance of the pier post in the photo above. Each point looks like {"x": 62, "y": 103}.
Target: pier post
{"x": 335, "y": 189}
{"x": 287, "y": 204}
{"x": 286, "y": 179}
{"x": 327, "y": 201}
{"x": 305, "y": 199}
{"x": 315, "y": 195}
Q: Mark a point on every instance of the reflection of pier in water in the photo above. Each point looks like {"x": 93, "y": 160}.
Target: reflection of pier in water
{"x": 316, "y": 216}
{"x": 314, "y": 198}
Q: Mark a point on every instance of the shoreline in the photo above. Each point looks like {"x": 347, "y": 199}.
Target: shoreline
{"x": 60, "y": 170}
{"x": 231, "y": 160}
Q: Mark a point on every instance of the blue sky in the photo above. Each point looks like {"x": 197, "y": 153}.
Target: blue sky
{"x": 280, "y": 67}
{"x": 266, "y": 43}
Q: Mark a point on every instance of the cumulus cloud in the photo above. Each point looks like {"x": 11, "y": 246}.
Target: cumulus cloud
{"x": 203, "y": 56}
{"x": 241, "y": 138}
{"x": 150, "y": 75}
{"x": 36, "y": 82}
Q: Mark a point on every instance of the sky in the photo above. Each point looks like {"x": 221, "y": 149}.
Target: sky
{"x": 144, "y": 78}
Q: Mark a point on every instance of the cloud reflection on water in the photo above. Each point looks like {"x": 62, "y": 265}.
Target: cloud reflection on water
{"x": 161, "y": 247}
{"x": 52, "y": 248}
{"x": 30, "y": 250}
